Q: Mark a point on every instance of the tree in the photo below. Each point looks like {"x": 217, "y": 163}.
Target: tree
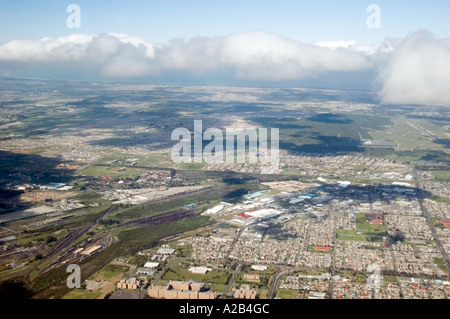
{"x": 14, "y": 290}
{"x": 50, "y": 239}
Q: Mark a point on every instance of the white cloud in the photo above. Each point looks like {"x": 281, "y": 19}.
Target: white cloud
{"x": 417, "y": 72}
{"x": 259, "y": 55}
{"x": 111, "y": 54}
{"x": 410, "y": 71}
{"x": 367, "y": 49}
{"x": 253, "y": 55}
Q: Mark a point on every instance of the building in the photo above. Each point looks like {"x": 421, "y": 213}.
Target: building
{"x": 92, "y": 249}
{"x": 165, "y": 251}
{"x": 259, "y": 267}
{"x": 214, "y": 210}
{"x": 157, "y": 291}
{"x": 255, "y": 194}
{"x": 181, "y": 290}
{"x": 52, "y": 186}
{"x": 131, "y": 283}
{"x": 316, "y": 295}
{"x": 149, "y": 264}
{"x": 244, "y": 293}
{"x": 199, "y": 270}
{"x": 145, "y": 271}
{"x": 322, "y": 248}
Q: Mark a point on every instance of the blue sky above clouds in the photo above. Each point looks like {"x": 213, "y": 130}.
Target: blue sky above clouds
{"x": 163, "y": 20}
{"x": 304, "y": 43}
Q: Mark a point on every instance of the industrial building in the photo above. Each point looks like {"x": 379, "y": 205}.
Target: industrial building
{"x": 165, "y": 251}
{"x": 255, "y": 194}
{"x": 215, "y": 210}
{"x": 90, "y": 250}
{"x": 149, "y": 264}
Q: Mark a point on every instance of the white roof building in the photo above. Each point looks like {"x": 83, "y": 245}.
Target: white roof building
{"x": 215, "y": 209}
{"x": 165, "y": 251}
{"x": 259, "y": 267}
{"x": 149, "y": 264}
{"x": 199, "y": 270}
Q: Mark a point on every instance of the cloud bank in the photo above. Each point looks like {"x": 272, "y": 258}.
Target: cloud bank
{"x": 418, "y": 72}
{"x": 410, "y": 70}
{"x": 253, "y": 55}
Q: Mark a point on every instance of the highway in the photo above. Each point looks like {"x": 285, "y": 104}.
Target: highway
{"x": 276, "y": 281}
{"x": 227, "y": 291}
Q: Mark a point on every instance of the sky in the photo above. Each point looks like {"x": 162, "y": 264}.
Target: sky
{"x": 260, "y": 42}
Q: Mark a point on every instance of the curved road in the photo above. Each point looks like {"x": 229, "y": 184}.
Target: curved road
{"x": 275, "y": 282}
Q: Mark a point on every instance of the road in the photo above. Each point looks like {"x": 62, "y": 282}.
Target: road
{"x": 430, "y": 223}
{"x": 333, "y": 263}
{"x": 227, "y": 291}
{"x": 276, "y": 281}
{"x": 435, "y": 137}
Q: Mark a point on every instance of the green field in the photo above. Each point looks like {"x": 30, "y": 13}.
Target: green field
{"x": 440, "y": 262}
{"x": 347, "y": 234}
{"x": 82, "y": 294}
{"x": 286, "y": 293}
{"x": 364, "y": 232}
{"x": 111, "y": 271}
{"x": 263, "y": 293}
{"x": 339, "y": 133}
{"x": 440, "y": 199}
{"x": 390, "y": 278}
{"x": 130, "y": 173}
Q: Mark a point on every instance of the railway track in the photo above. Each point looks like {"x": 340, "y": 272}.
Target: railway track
{"x": 63, "y": 244}
{"x": 161, "y": 218}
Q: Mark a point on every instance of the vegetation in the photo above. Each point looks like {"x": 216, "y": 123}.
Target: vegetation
{"x": 440, "y": 262}
{"x": 390, "y": 278}
{"x": 82, "y": 294}
{"x": 111, "y": 271}
{"x": 215, "y": 276}
{"x": 287, "y": 293}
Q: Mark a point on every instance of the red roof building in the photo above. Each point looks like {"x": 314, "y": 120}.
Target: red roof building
{"x": 322, "y": 248}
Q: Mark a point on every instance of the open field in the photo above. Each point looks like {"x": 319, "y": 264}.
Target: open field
{"x": 82, "y": 294}
{"x": 286, "y": 293}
